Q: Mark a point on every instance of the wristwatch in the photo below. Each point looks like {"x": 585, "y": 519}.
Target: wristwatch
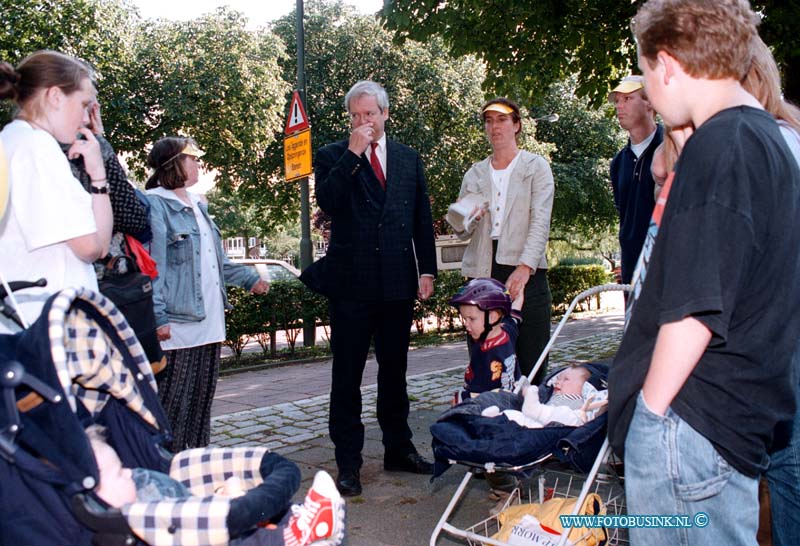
{"x": 102, "y": 190}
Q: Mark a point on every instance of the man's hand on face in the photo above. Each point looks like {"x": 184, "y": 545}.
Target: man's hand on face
{"x": 360, "y": 138}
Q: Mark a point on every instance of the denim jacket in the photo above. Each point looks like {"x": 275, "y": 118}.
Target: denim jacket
{"x": 177, "y": 292}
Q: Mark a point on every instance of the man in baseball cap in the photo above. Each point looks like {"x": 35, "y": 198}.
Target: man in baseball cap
{"x": 631, "y": 179}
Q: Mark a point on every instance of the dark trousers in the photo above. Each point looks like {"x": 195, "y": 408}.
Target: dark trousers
{"x": 353, "y": 325}
{"x": 534, "y": 332}
{"x": 186, "y": 389}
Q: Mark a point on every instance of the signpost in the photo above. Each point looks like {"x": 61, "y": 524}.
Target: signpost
{"x": 297, "y": 143}
{"x": 297, "y": 152}
{"x": 297, "y": 155}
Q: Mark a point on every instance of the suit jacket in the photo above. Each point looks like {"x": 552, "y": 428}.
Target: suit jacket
{"x": 381, "y": 241}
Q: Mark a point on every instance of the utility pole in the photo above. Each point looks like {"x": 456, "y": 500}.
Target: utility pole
{"x": 306, "y": 256}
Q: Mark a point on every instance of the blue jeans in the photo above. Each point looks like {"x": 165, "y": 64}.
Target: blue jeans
{"x": 671, "y": 469}
{"x": 783, "y": 476}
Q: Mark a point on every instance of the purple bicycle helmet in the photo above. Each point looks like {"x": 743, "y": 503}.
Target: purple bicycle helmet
{"x": 485, "y": 294}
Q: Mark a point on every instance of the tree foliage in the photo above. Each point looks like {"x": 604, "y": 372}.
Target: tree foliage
{"x": 433, "y": 97}
{"x": 529, "y": 45}
{"x": 584, "y": 139}
{"x": 214, "y": 80}
{"x": 96, "y": 31}
{"x": 779, "y": 31}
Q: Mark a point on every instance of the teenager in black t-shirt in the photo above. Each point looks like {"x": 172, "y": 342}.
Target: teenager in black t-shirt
{"x": 703, "y": 373}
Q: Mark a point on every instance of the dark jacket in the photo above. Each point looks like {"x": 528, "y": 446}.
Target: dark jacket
{"x": 633, "y": 186}
{"x": 381, "y": 241}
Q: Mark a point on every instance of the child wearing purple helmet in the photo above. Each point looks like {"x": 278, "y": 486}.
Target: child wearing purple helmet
{"x": 492, "y": 323}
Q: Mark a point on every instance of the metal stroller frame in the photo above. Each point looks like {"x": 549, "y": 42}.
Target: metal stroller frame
{"x": 469, "y": 533}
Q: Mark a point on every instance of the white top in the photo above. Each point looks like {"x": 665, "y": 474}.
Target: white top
{"x": 47, "y": 207}
{"x": 212, "y": 328}
{"x": 638, "y": 149}
{"x": 792, "y": 139}
{"x": 499, "y": 191}
{"x": 380, "y": 150}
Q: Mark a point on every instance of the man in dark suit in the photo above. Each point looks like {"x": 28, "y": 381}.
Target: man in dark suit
{"x": 380, "y": 257}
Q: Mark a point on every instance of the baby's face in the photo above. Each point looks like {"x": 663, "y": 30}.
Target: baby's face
{"x": 116, "y": 482}
{"x": 570, "y": 381}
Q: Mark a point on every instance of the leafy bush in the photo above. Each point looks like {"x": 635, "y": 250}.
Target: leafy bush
{"x": 288, "y": 302}
{"x": 567, "y": 281}
{"x": 243, "y": 321}
{"x": 447, "y": 284}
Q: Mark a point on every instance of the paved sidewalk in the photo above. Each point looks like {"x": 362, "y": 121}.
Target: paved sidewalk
{"x": 286, "y": 409}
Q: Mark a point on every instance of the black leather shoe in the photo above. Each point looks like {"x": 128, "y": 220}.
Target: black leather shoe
{"x": 348, "y": 482}
{"x": 412, "y": 462}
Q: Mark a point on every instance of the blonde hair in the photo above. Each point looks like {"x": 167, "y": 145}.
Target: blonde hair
{"x": 763, "y": 81}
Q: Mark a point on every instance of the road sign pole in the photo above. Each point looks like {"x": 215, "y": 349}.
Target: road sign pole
{"x": 306, "y": 257}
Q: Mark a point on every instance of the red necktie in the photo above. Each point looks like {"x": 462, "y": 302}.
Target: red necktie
{"x": 376, "y": 165}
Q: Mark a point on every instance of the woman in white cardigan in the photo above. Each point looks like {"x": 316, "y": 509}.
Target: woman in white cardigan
{"x": 509, "y": 233}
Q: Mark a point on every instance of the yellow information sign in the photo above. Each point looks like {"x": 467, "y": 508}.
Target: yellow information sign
{"x": 297, "y": 155}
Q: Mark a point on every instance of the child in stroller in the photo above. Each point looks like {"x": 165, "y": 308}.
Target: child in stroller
{"x": 80, "y": 364}
{"x": 574, "y": 401}
{"x": 318, "y": 521}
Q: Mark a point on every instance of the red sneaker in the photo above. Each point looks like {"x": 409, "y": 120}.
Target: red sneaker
{"x": 320, "y": 520}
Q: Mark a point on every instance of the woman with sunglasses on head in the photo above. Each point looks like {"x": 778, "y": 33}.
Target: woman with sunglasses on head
{"x": 189, "y": 293}
{"x": 54, "y": 229}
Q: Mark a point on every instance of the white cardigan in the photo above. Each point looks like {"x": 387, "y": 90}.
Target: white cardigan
{"x": 526, "y": 221}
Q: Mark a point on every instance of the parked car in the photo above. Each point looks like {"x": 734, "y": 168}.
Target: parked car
{"x": 271, "y": 270}
{"x": 449, "y": 251}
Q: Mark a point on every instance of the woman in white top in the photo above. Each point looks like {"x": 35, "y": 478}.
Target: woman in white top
{"x": 53, "y": 228}
{"x": 189, "y": 296}
{"x": 508, "y": 238}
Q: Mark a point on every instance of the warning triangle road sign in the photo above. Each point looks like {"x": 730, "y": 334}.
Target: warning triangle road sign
{"x": 297, "y": 119}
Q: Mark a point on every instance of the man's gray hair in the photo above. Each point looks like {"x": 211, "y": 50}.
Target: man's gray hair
{"x": 370, "y": 88}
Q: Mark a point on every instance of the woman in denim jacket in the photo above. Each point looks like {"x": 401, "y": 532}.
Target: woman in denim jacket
{"x": 189, "y": 293}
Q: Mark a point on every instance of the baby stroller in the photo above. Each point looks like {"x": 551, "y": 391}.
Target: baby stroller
{"x": 488, "y": 444}
{"x": 80, "y": 364}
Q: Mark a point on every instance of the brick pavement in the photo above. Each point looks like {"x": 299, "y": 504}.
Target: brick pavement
{"x": 285, "y": 408}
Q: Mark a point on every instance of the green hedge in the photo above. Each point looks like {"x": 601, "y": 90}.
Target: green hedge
{"x": 288, "y": 302}
{"x": 567, "y": 281}
{"x": 260, "y": 317}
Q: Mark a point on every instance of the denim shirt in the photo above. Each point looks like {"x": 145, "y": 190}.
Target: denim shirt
{"x": 177, "y": 292}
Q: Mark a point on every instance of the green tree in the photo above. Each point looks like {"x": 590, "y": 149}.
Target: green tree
{"x": 212, "y": 79}
{"x": 236, "y": 218}
{"x": 585, "y": 140}
{"x": 433, "y": 97}
{"x": 97, "y": 31}
{"x": 779, "y": 31}
{"x": 529, "y": 45}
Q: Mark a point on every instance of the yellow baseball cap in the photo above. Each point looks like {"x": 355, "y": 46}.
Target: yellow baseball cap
{"x": 629, "y": 84}
{"x": 497, "y": 107}
{"x": 193, "y": 150}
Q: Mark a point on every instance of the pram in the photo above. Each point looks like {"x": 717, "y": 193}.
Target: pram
{"x": 80, "y": 364}
{"x": 472, "y": 443}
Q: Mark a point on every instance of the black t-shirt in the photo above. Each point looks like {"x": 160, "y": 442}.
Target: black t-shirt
{"x": 726, "y": 254}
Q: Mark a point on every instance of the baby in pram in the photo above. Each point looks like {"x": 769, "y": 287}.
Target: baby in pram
{"x": 319, "y": 521}
{"x": 574, "y": 401}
